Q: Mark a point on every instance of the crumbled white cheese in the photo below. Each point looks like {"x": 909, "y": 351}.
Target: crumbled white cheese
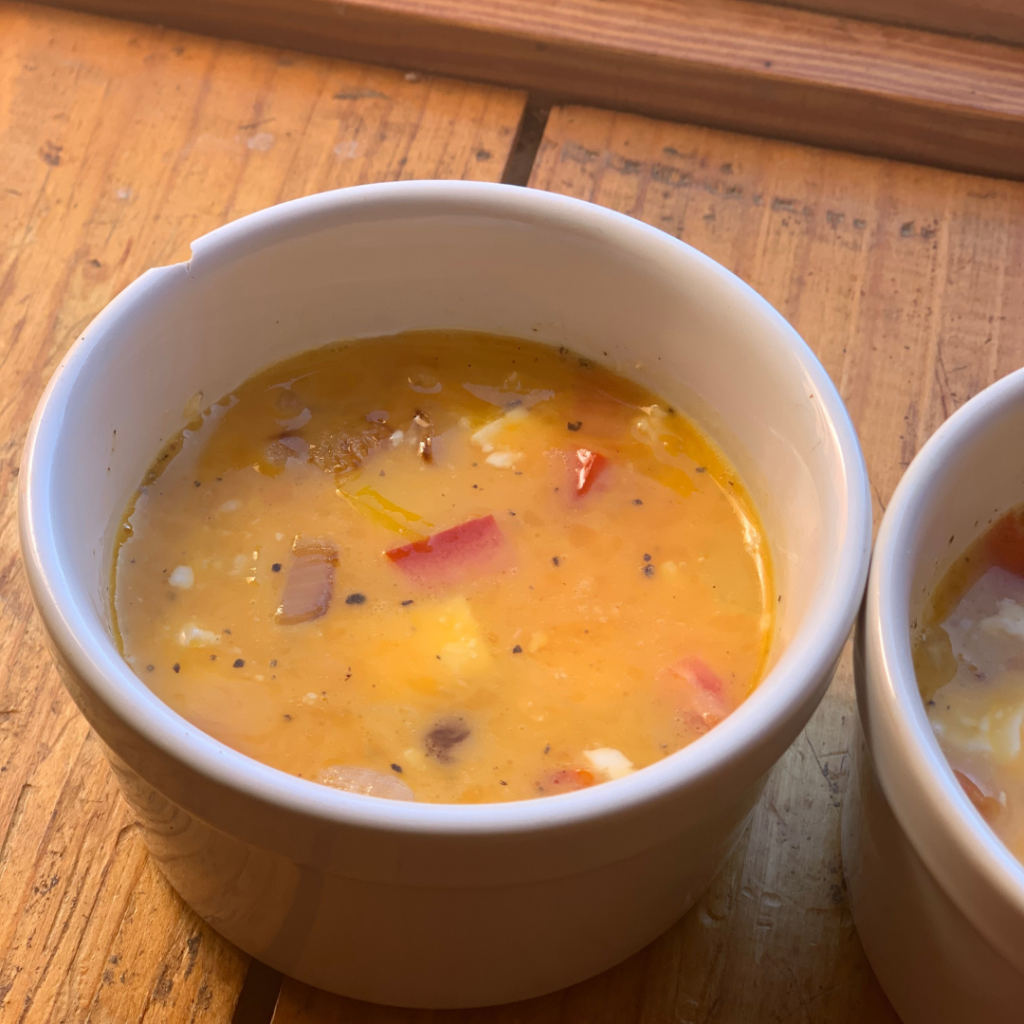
{"x": 1008, "y": 620}
{"x": 310, "y": 698}
{"x": 231, "y": 506}
{"x": 503, "y": 460}
{"x": 182, "y": 577}
{"x": 610, "y": 762}
{"x": 397, "y": 437}
{"x": 192, "y": 636}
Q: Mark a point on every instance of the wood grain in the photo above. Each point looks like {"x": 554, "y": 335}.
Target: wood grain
{"x": 119, "y": 144}
{"x": 749, "y": 66}
{"x": 909, "y": 284}
{"x": 997, "y": 20}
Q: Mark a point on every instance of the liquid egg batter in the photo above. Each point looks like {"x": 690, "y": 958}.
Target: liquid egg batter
{"x": 447, "y": 567}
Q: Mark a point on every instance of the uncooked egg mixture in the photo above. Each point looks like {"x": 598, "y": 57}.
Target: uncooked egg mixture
{"x": 447, "y": 567}
{"x": 969, "y": 660}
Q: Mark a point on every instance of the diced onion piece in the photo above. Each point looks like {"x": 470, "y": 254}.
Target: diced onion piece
{"x": 365, "y": 782}
{"x": 988, "y": 806}
{"x": 445, "y": 736}
{"x": 450, "y": 555}
{"x": 310, "y": 584}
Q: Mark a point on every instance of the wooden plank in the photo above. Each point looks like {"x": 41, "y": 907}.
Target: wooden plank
{"x": 997, "y": 20}
{"x": 733, "y": 63}
{"x": 909, "y": 284}
{"x": 119, "y": 144}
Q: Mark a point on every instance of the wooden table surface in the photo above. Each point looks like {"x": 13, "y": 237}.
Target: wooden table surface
{"x": 120, "y": 143}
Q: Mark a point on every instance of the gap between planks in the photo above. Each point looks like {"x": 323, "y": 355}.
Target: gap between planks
{"x": 748, "y": 66}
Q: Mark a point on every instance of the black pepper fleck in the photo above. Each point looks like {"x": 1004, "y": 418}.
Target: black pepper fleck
{"x": 196, "y": 482}
{"x": 276, "y": 567}
{"x": 647, "y": 557}
{"x": 637, "y": 501}
{"x": 355, "y": 599}
{"x": 547, "y": 749}
{"x": 176, "y": 667}
{"x": 238, "y": 663}
{"x": 648, "y": 570}
{"x": 405, "y": 604}
{"x": 397, "y": 768}
{"x": 576, "y": 425}
{"x": 555, "y": 561}
{"x": 149, "y": 668}
{"x": 273, "y": 663}
{"x": 517, "y": 649}
{"x": 287, "y": 718}
{"x": 702, "y": 469}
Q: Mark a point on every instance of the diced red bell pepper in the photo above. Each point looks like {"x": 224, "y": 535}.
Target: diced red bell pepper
{"x": 988, "y": 806}
{"x": 565, "y": 780}
{"x": 696, "y": 691}
{"x": 588, "y": 466}
{"x": 1005, "y": 543}
{"x": 451, "y": 555}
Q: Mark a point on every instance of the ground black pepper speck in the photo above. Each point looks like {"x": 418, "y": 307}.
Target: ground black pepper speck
{"x": 238, "y": 663}
{"x": 517, "y": 649}
{"x": 176, "y": 667}
{"x": 355, "y": 599}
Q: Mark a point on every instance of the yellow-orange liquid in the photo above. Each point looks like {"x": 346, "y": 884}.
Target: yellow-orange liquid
{"x": 605, "y": 630}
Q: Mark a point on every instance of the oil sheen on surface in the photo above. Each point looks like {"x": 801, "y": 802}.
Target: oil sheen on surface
{"x": 446, "y": 567}
{"x": 969, "y": 660}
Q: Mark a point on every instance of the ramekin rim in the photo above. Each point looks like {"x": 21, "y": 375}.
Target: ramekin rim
{"x": 937, "y": 792}
{"x": 94, "y": 658}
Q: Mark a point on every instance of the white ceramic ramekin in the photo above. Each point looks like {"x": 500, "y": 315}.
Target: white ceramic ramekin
{"x": 937, "y": 899}
{"x": 420, "y": 904}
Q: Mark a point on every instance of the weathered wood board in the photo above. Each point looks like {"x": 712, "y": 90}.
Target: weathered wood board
{"x": 118, "y": 145}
